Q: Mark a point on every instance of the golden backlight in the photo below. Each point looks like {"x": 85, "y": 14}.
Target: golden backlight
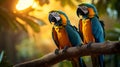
{"x": 23, "y": 4}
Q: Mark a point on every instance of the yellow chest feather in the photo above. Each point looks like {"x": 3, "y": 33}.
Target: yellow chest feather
{"x": 87, "y": 31}
{"x": 62, "y": 37}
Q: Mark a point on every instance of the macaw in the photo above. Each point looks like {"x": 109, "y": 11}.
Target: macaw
{"x": 91, "y": 29}
{"x": 64, "y": 34}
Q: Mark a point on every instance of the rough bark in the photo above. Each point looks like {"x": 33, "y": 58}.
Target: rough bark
{"x": 84, "y": 50}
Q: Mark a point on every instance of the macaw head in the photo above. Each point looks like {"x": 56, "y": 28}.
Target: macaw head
{"x": 87, "y": 10}
{"x": 58, "y": 18}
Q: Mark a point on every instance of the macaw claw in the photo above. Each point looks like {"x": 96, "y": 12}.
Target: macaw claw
{"x": 89, "y": 44}
{"x": 79, "y": 45}
{"x": 65, "y": 49}
{"x": 56, "y": 51}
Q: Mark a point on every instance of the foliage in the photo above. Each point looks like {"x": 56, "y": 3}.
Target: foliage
{"x": 114, "y": 34}
{"x": 99, "y": 5}
{"x": 1, "y": 56}
{"x": 102, "y": 6}
{"x": 67, "y": 2}
{"x": 115, "y": 4}
{"x": 3, "y": 61}
{"x": 42, "y": 2}
{"x": 65, "y": 64}
{"x": 14, "y": 21}
{"x": 26, "y": 49}
{"x": 8, "y": 20}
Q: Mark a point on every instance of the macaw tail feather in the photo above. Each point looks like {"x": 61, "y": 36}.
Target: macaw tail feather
{"x": 81, "y": 63}
{"x": 101, "y": 61}
{"x": 78, "y": 62}
{"x": 98, "y": 61}
{"x": 75, "y": 64}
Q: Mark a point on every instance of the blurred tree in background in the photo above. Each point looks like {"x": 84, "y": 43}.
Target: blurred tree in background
{"x": 25, "y": 34}
{"x": 15, "y": 27}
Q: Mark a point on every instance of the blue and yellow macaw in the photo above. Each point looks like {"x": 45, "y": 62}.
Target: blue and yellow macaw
{"x": 92, "y": 29}
{"x": 64, "y": 34}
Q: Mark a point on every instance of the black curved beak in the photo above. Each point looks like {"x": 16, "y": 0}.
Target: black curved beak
{"x": 82, "y": 10}
{"x": 54, "y": 17}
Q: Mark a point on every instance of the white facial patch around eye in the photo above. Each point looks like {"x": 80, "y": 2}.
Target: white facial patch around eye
{"x": 84, "y": 9}
{"x": 56, "y": 15}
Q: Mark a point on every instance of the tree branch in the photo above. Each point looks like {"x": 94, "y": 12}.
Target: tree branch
{"x": 84, "y": 50}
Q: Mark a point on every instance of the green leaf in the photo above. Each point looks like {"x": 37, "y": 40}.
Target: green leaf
{"x": 21, "y": 26}
{"x": 113, "y": 34}
{"x": 37, "y": 20}
{"x": 117, "y": 25}
{"x": 34, "y": 23}
{"x": 4, "y": 62}
{"x": 1, "y": 56}
{"x": 65, "y": 64}
{"x": 101, "y": 7}
{"x": 7, "y": 19}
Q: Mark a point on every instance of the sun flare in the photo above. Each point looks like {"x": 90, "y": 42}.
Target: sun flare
{"x": 23, "y": 4}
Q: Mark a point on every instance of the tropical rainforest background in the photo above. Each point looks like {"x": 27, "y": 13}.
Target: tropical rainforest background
{"x": 25, "y": 32}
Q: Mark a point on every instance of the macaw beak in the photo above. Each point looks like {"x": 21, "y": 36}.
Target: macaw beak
{"x": 54, "y": 17}
{"x": 82, "y": 10}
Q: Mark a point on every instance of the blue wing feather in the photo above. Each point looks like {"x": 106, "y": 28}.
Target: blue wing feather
{"x": 73, "y": 35}
{"x": 75, "y": 40}
{"x": 99, "y": 34}
{"x": 103, "y": 25}
{"x": 97, "y": 30}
